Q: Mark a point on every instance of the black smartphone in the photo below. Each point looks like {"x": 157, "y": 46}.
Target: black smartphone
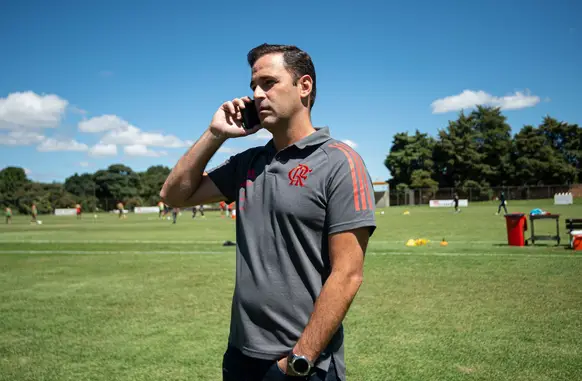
{"x": 250, "y": 115}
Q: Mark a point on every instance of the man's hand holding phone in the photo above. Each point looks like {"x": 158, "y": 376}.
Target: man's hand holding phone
{"x": 229, "y": 120}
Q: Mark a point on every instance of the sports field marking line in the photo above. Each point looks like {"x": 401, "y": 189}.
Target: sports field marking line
{"x": 189, "y": 242}
{"x": 105, "y": 241}
{"x": 189, "y": 252}
{"x": 83, "y": 252}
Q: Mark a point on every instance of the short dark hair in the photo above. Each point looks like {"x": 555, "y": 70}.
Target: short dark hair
{"x": 297, "y": 62}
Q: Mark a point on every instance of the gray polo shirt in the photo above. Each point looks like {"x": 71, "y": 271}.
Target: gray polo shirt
{"x": 288, "y": 203}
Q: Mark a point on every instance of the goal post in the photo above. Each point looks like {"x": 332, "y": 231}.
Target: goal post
{"x": 381, "y": 194}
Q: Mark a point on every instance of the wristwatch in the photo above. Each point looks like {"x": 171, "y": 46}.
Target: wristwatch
{"x": 300, "y": 365}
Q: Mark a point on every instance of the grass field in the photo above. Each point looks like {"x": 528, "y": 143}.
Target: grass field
{"x": 142, "y": 299}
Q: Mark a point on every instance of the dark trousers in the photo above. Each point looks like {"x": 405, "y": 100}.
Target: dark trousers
{"x": 502, "y": 205}
{"x": 238, "y": 367}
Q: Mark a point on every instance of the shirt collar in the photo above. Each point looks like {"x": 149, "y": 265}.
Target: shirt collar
{"x": 321, "y": 135}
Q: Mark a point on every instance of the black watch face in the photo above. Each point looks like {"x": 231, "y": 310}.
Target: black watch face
{"x": 300, "y": 365}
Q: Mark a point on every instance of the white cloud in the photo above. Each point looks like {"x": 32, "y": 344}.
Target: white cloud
{"x": 102, "y": 123}
{"x": 142, "y": 150}
{"x": 21, "y": 138}
{"x": 470, "y": 99}
{"x": 132, "y": 135}
{"x": 349, "y": 142}
{"x": 27, "y": 171}
{"x": 84, "y": 164}
{"x": 103, "y": 150}
{"x": 51, "y": 145}
{"x": 30, "y": 110}
{"x": 119, "y": 131}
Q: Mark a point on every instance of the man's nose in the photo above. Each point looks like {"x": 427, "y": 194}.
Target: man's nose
{"x": 258, "y": 93}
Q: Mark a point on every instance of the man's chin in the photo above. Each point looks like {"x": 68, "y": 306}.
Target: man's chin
{"x": 269, "y": 122}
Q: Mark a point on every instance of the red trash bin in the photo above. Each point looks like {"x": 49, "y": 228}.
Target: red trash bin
{"x": 516, "y": 224}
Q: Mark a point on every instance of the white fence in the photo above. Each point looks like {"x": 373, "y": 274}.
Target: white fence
{"x": 146, "y": 209}
{"x": 563, "y": 199}
{"x": 65, "y": 212}
{"x": 447, "y": 203}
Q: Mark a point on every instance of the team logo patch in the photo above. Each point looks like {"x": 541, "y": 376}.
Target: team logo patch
{"x": 298, "y": 175}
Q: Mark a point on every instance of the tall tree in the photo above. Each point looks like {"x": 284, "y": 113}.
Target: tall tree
{"x": 11, "y": 179}
{"x": 409, "y": 154}
{"x": 566, "y": 141}
{"x": 537, "y": 161}
{"x": 80, "y": 185}
{"x": 456, "y": 154}
{"x": 152, "y": 181}
{"x": 494, "y": 143}
{"x": 116, "y": 183}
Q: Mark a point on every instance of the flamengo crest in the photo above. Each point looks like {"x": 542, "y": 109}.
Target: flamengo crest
{"x": 298, "y": 175}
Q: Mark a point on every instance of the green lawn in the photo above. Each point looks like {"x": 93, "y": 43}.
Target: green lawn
{"x": 142, "y": 299}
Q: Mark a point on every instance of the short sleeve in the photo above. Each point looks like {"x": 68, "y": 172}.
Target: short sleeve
{"x": 225, "y": 177}
{"x": 350, "y": 195}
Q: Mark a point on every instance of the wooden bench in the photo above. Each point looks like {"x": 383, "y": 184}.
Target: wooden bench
{"x": 573, "y": 224}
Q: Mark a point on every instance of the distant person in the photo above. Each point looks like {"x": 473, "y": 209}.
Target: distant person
{"x": 304, "y": 213}
{"x": 175, "y": 212}
{"x": 456, "y": 201}
{"x": 120, "y": 209}
{"x": 161, "y": 207}
{"x": 222, "y": 206}
{"x": 232, "y": 209}
{"x": 198, "y": 208}
{"x": 78, "y": 209}
{"x": 34, "y": 213}
{"x": 8, "y": 214}
{"x": 501, "y": 204}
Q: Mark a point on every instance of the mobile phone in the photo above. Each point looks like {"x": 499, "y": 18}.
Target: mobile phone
{"x": 250, "y": 115}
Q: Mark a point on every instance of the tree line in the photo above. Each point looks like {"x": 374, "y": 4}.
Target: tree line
{"x": 94, "y": 191}
{"x": 478, "y": 151}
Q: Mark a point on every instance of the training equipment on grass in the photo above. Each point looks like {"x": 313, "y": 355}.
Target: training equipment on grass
{"x": 563, "y": 198}
{"x": 417, "y": 242}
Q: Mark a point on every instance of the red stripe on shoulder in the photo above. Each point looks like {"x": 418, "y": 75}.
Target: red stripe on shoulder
{"x": 362, "y": 185}
{"x": 353, "y": 170}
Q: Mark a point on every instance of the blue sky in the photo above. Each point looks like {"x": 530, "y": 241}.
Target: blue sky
{"x": 86, "y": 85}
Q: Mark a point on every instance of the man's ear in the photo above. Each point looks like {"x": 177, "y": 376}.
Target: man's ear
{"x": 305, "y": 86}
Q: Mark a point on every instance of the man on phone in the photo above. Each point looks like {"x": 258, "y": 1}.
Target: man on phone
{"x": 305, "y": 212}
